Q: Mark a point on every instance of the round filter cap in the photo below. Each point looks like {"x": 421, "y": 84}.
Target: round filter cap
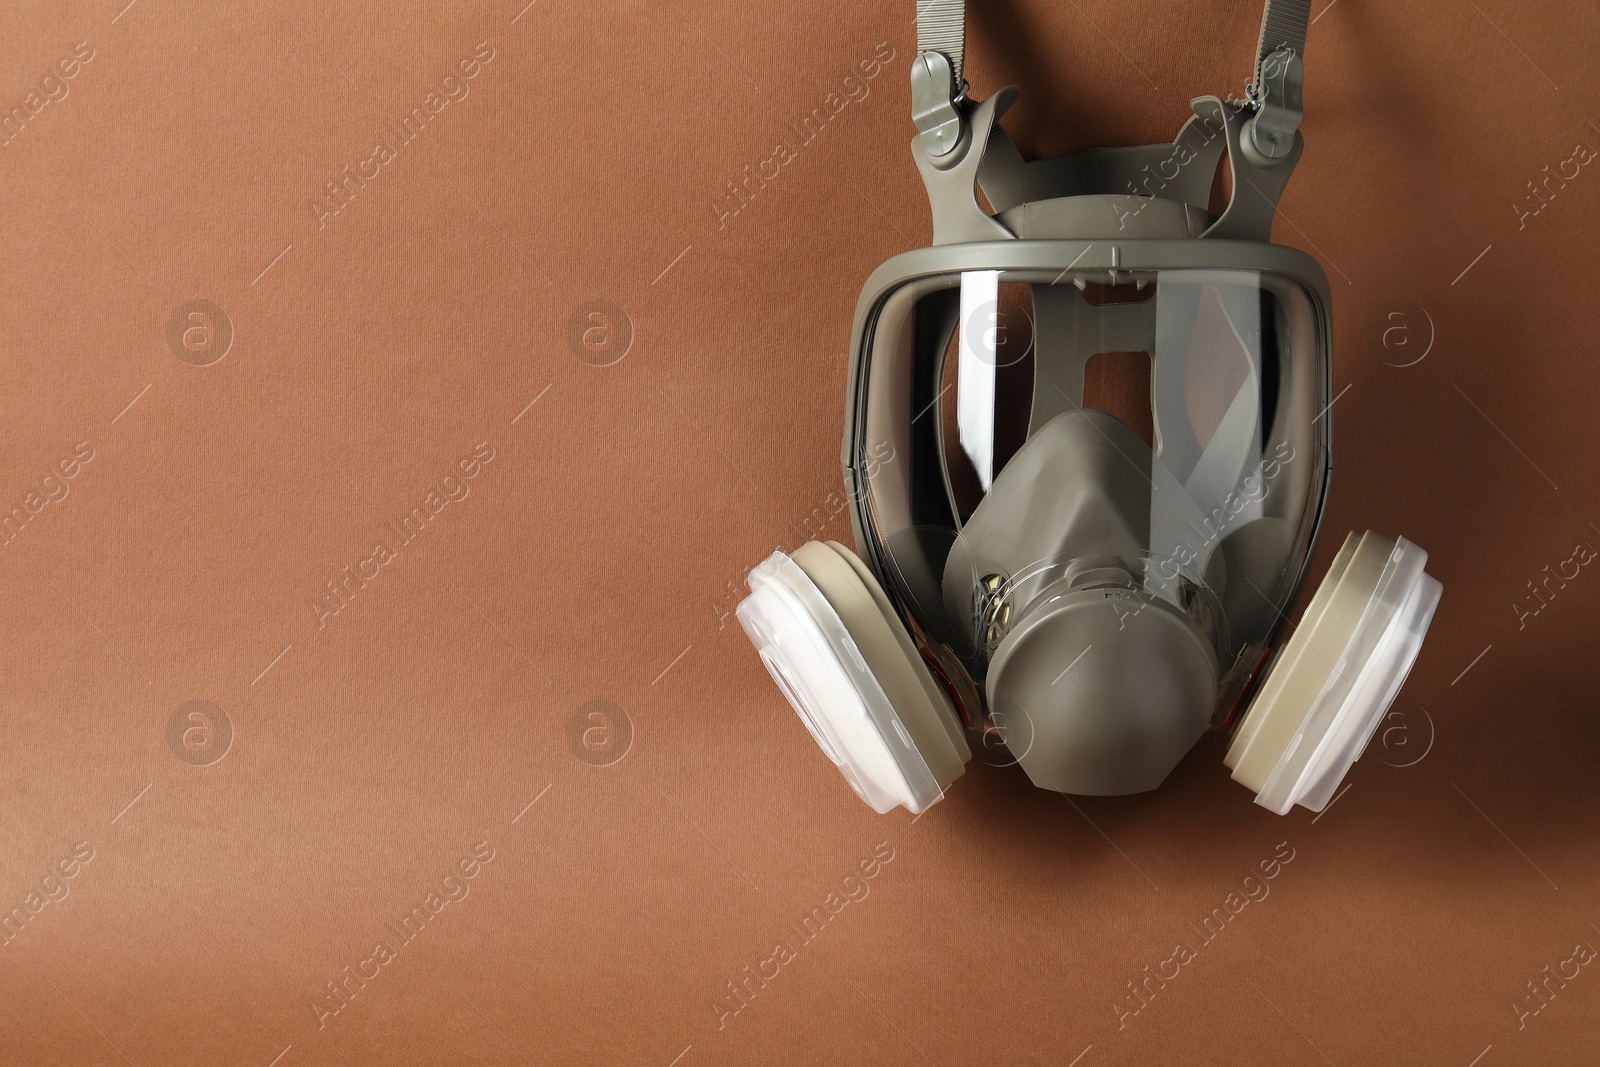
{"x": 819, "y": 666}
{"x": 1324, "y": 695}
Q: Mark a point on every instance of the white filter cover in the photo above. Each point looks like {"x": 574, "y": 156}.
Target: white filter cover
{"x": 811, "y": 656}
{"x": 1361, "y": 685}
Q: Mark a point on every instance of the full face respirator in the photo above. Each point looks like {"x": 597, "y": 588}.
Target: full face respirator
{"x": 1087, "y": 451}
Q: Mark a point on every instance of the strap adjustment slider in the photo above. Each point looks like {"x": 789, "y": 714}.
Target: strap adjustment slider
{"x": 934, "y": 96}
{"x": 1277, "y": 100}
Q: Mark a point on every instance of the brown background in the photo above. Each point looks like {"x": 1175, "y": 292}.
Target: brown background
{"x": 600, "y": 552}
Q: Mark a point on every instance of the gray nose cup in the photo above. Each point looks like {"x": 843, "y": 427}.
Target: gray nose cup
{"x": 1098, "y": 685}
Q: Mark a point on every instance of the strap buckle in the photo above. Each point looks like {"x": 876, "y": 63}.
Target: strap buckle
{"x": 1275, "y": 93}
{"x": 1277, "y": 100}
{"x": 934, "y": 96}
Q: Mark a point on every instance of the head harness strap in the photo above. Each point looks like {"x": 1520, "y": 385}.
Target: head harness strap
{"x": 938, "y": 88}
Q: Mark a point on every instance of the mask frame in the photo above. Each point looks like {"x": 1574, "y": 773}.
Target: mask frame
{"x": 903, "y": 276}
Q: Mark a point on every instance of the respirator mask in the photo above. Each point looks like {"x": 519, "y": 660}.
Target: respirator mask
{"x": 1087, "y": 450}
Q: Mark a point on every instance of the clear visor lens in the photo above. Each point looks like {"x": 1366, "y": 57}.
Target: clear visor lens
{"x": 1023, "y": 434}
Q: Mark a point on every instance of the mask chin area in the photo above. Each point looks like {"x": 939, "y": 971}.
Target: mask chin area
{"x": 1101, "y": 692}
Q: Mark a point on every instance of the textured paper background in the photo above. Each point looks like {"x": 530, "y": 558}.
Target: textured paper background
{"x": 439, "y": 322}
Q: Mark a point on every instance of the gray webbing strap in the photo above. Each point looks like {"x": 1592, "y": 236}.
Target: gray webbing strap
{"x": 1283, "y": 25}
{"x": 942, "y": 27}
